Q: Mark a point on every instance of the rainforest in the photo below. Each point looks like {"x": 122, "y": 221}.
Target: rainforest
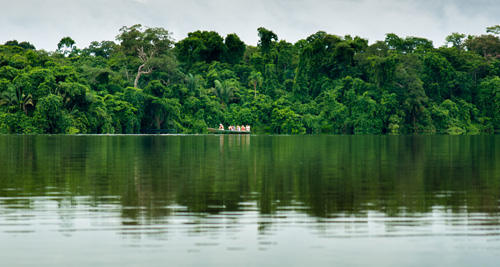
{"x": 323, "y": 84}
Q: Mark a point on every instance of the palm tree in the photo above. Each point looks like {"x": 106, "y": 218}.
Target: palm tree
{"x": 255, "y": 79}
{"x": 8, "y": 98}
{"x": 14, "y": 96}
{"x": 223, "y": 91}
{"x": 194, "y": 82}
{"x": 26, "y": 100}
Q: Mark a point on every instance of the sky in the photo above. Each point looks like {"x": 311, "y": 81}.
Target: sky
{"x": 45, "y": 22}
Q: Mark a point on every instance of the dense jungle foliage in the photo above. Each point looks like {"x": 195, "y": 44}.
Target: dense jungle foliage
{"x": 322, "y": 84}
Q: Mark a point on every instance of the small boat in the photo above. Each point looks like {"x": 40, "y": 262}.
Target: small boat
{"x": 217, "y": 131}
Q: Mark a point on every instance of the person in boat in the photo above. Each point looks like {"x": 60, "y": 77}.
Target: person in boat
{"x": 248, "y": 128}
{"x": 221, "y": 127}
{"x": 243, "y": 128}
{"x": 238, "y": 128}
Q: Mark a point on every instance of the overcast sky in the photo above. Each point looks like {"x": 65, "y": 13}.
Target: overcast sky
{"x": 44, "y": 22}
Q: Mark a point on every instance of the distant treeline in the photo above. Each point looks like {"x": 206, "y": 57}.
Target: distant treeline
{"x": 322, "y": 84}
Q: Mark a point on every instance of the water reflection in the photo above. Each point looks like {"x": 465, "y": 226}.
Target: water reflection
{"x": 321, "y": 176}
{"x": 229, "y": 189}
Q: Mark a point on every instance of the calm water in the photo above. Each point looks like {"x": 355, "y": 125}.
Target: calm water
{"x": 249, "y": 200}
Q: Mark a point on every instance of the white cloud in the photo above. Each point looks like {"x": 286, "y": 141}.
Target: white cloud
{"x": 44, "y": 23}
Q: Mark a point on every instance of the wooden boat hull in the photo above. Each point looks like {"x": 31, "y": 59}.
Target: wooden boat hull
{"x": 217, "y": 131}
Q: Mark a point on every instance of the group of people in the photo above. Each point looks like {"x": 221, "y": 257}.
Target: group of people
{"x": 236, "y": 128}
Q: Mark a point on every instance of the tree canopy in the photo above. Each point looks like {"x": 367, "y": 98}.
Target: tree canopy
{"x": 324, "y": 83}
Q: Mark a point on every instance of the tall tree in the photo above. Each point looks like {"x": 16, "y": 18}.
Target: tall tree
{"x": 152, "y": 46}
{"x": 66, "y": 46}
{"x": 200, "y": 46}
{"x": 486, "y": 45}
{"x": 255, "y": 79}
{"x": 234, "y": 49}
{"x": 456, "y": 40}
{"x": 408, "y": 44}
{"x": 267, "y": 39}
{"x": 100, "y": 49}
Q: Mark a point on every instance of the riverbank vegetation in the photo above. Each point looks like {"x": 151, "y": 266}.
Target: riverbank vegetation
{"x": 321, "y": 84}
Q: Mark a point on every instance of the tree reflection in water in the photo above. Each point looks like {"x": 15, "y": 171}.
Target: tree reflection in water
{"x": 196, "y": 178}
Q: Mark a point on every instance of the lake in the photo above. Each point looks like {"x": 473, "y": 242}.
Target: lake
{"x": 215, "y": 200}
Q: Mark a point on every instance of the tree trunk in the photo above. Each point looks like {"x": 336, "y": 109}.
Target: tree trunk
{"x": 139, "y": 72}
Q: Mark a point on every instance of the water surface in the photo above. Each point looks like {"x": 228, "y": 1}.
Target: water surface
{"x": 213, "y": 200}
